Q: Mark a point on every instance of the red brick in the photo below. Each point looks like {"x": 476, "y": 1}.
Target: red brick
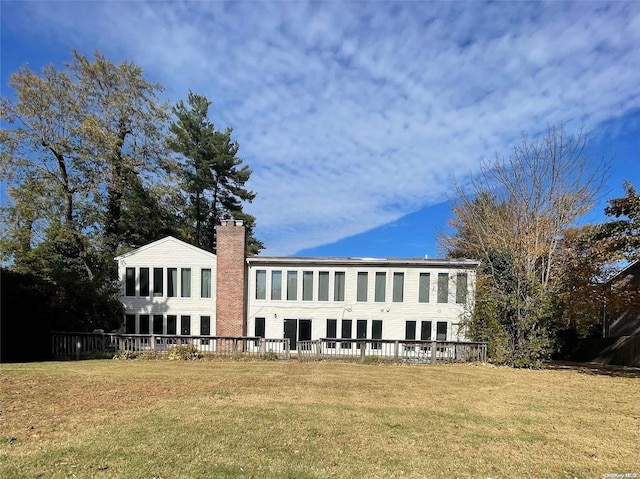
{"x": 231, "y": 279}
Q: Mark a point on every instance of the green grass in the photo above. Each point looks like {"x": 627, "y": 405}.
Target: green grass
{"x": 275, "y": 419}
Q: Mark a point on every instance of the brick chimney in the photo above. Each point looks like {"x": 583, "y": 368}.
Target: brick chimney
{"x": 231, "y": 279}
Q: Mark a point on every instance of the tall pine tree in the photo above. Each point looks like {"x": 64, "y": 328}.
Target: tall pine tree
{"x": 213, "y": 175}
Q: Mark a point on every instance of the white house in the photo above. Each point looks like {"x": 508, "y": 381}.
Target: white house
{"x": 171, "y": 287}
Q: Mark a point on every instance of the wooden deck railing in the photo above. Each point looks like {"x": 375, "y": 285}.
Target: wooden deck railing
{"x": 78, "y": 345}
{"x": 398, "y": 351}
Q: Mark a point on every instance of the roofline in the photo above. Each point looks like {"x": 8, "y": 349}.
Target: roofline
{"x": 270, "y": 260}
{"x": 623, "y": 270}
{"x": 163, "y": 240}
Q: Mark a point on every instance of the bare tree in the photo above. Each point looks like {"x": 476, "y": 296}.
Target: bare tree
{"x": 512, "y": 217}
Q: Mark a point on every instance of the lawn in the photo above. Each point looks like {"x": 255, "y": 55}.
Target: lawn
{"x": 282, "y": 419}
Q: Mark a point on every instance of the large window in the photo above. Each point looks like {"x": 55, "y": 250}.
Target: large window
{"x": 461, "y": 288}
{"x": 185, "y": 283}
{"x": 332, "y": 331}
{"x": 205, "y": 325}
{"x": 144, "y": 281}
{"x": 376, "y": 333}
{"x": 398, "y": 287}
{"x": 261, "y": 284}
{"x": 323, "y": 286}
{"x": 441, "y": 333}
{"x": 130, "y": 282}
{"x": 157, "y": 324}
{"x": 410, "y": 331}
{"x": 443, "y": 287}
{"x": 172, "y": 324}
{"x": 346, "y": 333}
{"x": 144, "y": 324}
{"x": 172, "y": 281}
{"x": 157, "y": 282}
{"x": 338, "y": 286}
{"x": 292, "y": 285}
{"x": 363, "y": 283}
{"x": 276, "y": 285}
{"x": 361, "y": 330}
{"x": 205, "y": 283}
{"x": 185, "y": 325}
{"x": 307, "y": 286}
{"x": 381, "y": 287}
{"x": 425, "y": 331}
{"x": 259, "y": 328}
{"x": 423, "y": 287}
{"x": 130, "y": 324}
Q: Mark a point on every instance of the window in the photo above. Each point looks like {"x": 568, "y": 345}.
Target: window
{"x": 381, "y": 285}
{"x": 410, "y": 331}
{"x": 259, "y": 328}
{"x": 144, "y": 324}
{"x": 157, "y": 324}
{"x": 363, "y": 280}
{"x": 292, "y": 285}
{"x": 205, "y": 325}
{"x": 323, "y": 286}
{"x": 205, "y": 283}
{"x": 261, "y": 284}
{"x": 443, "y": 287}
{"x": 332, "y": 330}
{"x": 185, "y": 325}
{"x": 346, "y": 333}
{"x": 398, "y": 287}
{"x": 130, "y": 282}
{"x": 130, "y": 324}
{"x": 307, "y": 286}
{"x": 172, "y": 281}
{"x": 185, "y": 282}
{"x": 157, "y": 282}
{"x": 376, "y": 333}
{"x": 461, "y": 288}
{"x": 172, "y": 325}
{"x": 423, "y": 287}
{"x": 144, "y": 281}
{"x": 338, "y": 286}
{"x": 425, "y": 331}
{"x": 276, "y": 285}
{"x": 441, "y": 331}
{"x": 361, "y": 331}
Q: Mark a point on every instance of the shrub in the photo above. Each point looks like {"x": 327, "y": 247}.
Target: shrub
{"x": 269, "y": 356}
{"x": 149, "y": 354}
{"x": 184, "y": 352}
{"x": 123, "y": 355}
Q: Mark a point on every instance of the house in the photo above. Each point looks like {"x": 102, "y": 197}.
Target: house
{"x": 170, "y": 287}
{"x": 622, "y": 315}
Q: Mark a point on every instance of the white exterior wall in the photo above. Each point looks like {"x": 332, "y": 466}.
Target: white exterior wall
{"x": 393, "y": 314}
{"x": 170, "y": 253}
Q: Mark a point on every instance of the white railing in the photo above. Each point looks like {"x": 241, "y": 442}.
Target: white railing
{"x": 81, "y": 345}
{"x": 385, "y": 350}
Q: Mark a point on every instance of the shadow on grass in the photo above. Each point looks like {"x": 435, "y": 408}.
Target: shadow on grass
{"x": 594, "y": 369}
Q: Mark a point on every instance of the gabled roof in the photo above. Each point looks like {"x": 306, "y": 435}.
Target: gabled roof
{"x": 168, "y": 239}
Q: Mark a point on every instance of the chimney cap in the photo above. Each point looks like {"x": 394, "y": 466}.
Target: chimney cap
{"x": 231, "y": 222}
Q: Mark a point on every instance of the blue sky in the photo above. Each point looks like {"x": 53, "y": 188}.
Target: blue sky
{"x": 357, "y": 117}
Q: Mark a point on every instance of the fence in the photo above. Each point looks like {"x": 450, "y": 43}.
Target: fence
{"x": 77, "y": 345}
{"x": 392, "y": 350}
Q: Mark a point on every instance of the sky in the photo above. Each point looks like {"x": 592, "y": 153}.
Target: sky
{"x": 357, "y": 118}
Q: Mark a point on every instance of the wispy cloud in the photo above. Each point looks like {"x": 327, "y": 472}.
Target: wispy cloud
{"x": 353, "y": 114}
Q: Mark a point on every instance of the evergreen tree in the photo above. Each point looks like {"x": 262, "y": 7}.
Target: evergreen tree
{"x": 212, "y": 173}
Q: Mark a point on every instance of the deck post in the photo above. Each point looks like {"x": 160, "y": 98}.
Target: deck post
{"x": 434, "y": 352}
{"x": 396, "y": 351}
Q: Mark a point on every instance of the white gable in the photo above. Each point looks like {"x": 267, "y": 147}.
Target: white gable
{"x": 167, "y": 251}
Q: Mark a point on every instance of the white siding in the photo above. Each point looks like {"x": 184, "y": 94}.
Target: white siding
{"x": 393, "y": 314}
{"x": 170, "y": 253}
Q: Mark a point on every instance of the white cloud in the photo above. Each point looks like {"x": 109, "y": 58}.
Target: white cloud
{"x": 353, "y": 114}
